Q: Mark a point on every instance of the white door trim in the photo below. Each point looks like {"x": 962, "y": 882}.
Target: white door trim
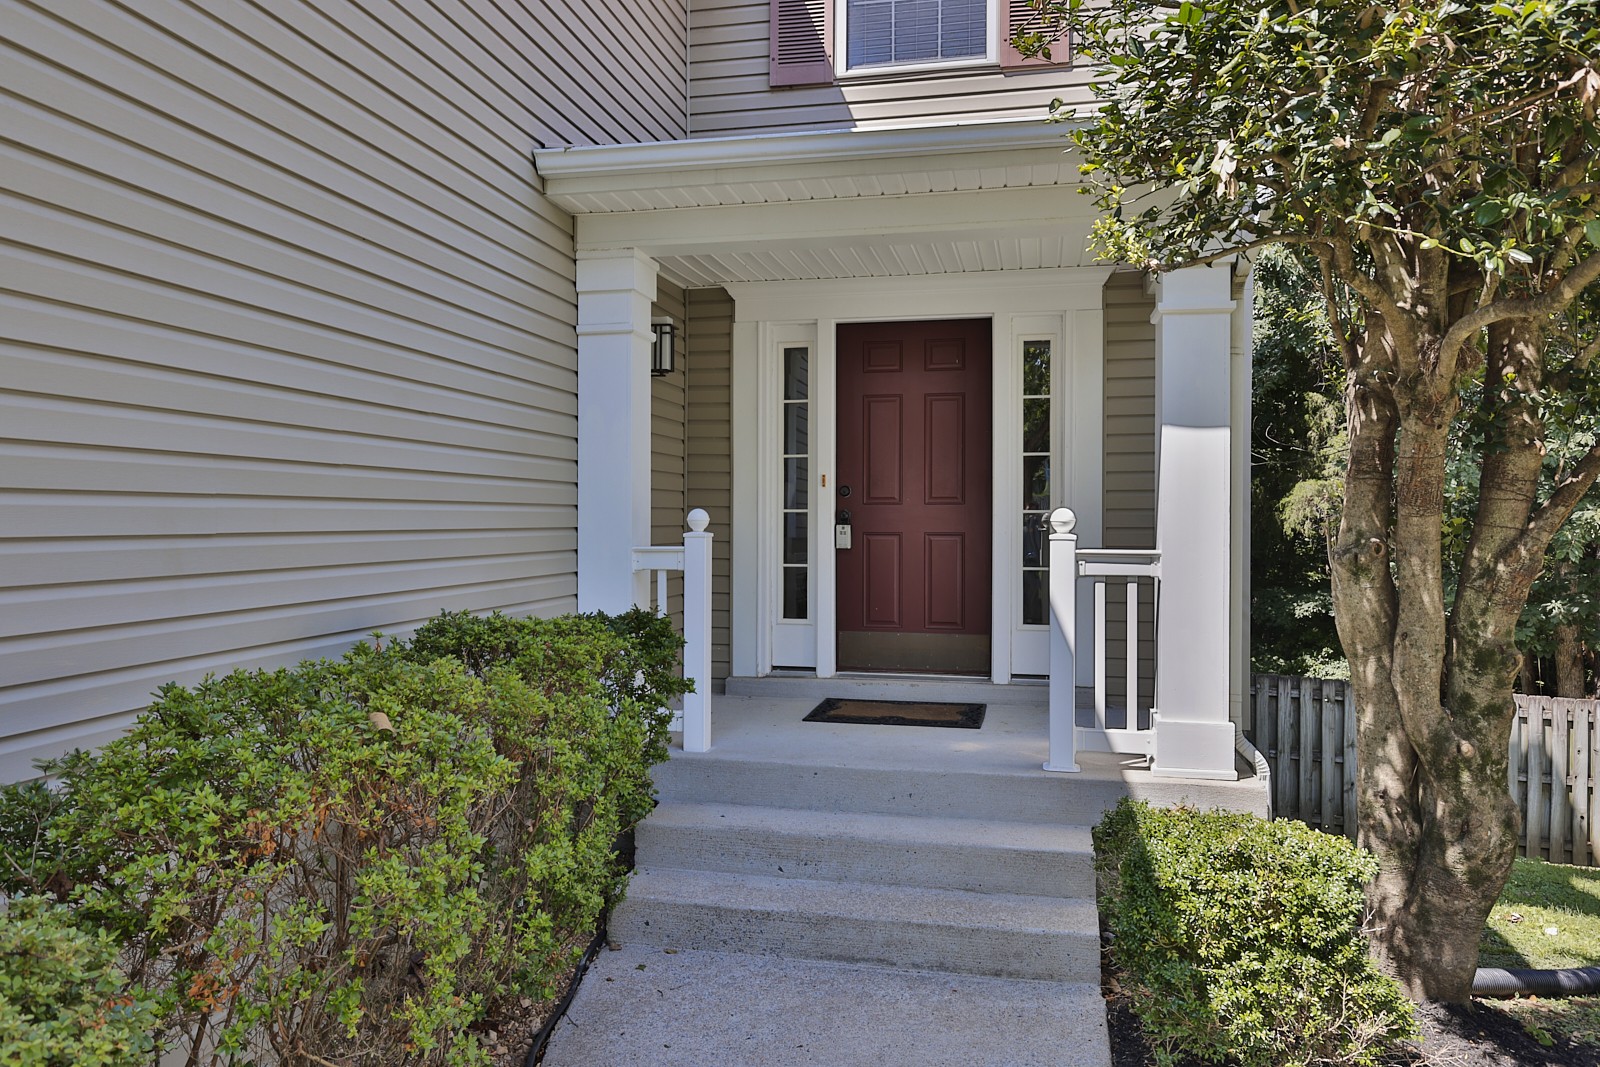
{"x": 1066, "y": 302}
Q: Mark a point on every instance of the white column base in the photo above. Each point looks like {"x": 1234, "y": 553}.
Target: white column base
{"x": 1194, "y": 750}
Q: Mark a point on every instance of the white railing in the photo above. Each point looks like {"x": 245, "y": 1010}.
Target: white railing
{"x": 1102, "y": 568}
{"x": 693, "y": 559}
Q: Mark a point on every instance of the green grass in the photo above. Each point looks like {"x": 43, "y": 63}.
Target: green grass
{"x": 1548, "y": 916}
{"x": 1540, "y": 898}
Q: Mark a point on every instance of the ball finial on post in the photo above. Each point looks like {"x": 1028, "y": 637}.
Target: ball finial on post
{"x": 1063, "y": 521}
{"x": 699, "y": 520}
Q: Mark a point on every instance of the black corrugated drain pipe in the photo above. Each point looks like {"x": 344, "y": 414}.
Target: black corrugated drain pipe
{"x": 1517, "y": 982}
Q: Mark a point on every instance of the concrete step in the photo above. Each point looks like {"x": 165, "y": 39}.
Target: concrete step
{"x": 1031, "y": 859}
{"x": 1001, "y": 935}
{"x": 640, "y": 1007}
{"x": 937, "y": 791}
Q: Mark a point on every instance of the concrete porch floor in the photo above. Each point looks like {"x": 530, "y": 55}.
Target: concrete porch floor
{"x": 761, "y": 720}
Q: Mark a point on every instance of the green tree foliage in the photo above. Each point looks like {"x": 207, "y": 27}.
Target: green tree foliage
{"x": 1298, "y": 441}
{"x": 1440, "y": 162}
{"x": 1297, "y": 452}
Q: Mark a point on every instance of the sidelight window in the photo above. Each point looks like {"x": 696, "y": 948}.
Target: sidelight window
{"x": 1036, "y": 444}
{"x": 796, "y": 481}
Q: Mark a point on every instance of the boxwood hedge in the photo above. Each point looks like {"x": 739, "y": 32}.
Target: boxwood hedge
{"x": 1241, "y": 939}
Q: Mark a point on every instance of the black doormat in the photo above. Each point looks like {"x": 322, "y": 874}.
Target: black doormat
{"x": 899, "y": 713}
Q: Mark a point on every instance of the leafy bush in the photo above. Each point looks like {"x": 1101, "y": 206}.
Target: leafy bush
{"x": 1242, "y": 938}
{"x": 61, "y": 999}
{"x": 632, "y": 657}
{"x": 355, "y": 860}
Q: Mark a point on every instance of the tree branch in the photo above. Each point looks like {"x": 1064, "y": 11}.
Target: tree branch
{"x": 1550, "y": 302}
{"x": 1513, "y": 106}
{"x": 1552, "y": 513}
{"x": 1341, "y": 331}
{"x": 1235, "y": 250}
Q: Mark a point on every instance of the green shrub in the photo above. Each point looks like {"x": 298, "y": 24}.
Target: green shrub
{"x": 357, "y": 859}
{"x": 632, "y": 658}
{"x": 1242, "y": 938}
{"x": 62, "y": 1002}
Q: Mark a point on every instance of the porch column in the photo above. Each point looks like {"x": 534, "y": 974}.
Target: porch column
{"x": 1194, "y": 491}
{"x": 615, "y": 291}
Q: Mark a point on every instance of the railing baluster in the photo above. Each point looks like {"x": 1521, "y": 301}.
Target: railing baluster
{"x": 1131, "y": 693}
{"x": 661, "y": 593}
{"x": 1100, "y": 655}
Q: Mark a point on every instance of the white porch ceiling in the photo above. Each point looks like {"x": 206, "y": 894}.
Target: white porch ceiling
{"x": 883, "y": 259}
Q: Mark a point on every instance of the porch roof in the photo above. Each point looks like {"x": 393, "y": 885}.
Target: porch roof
{"x": 835, "y": 204}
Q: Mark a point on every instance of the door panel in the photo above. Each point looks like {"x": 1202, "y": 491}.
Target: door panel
{"x": 914, "y": 472}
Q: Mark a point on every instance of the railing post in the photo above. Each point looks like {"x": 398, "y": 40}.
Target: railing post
{"x": 697, "y": 632}
{"x": 1063, "y": 584}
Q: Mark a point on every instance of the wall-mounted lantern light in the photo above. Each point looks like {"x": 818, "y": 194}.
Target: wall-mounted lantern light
{"x": 663, "y": 357}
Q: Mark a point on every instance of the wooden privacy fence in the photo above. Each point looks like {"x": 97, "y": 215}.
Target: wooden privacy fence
{"x": 1306, "y": 729}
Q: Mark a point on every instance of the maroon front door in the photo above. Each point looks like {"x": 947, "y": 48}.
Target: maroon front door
{"x": 914, "y": 472}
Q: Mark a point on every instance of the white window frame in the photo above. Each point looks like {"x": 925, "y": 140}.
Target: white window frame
{"x": 841, "y": 50}
{"x": 794, "y": 641}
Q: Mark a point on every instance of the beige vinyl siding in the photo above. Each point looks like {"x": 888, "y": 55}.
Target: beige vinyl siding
{"x": 1130, "y": 453}
{"x": 1130, "y": 413}
{"x": 709, "y": 477}
{"x": 667, "y": 509}
{"x": 729, "y": 94}
{"x": 287, "y": 349}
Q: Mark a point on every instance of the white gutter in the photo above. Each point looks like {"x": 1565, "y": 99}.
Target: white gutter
{"x": 771, "y": 149}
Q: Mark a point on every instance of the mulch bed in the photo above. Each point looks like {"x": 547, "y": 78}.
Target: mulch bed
{"x": 1476, "y": 1035}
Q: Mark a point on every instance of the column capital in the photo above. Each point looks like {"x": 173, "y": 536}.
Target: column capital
{"x": 1203, "y": 290}
{"x": 616, "y": 269}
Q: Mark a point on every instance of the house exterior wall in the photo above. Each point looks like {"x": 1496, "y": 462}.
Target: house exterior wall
{"x": 289, "y": 353}
{"x": 1130, "y": 458}
{"x": 667, "y": 508}
{"x": 730, "y": 94}
{"x": 709, "y": 460}
{"x": 1130, "y": 414}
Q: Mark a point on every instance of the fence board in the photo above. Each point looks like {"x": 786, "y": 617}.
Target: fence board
{"x": 1582, "y": 746}
{"x": 1306, "y": 729}
{"x": 1348, "y": 771}
{"x": 1285, "y": 739}
{"x": 1307, "y": 725}
{"x": 1559, "y": 809}
{"x": 1533, "y": 815}
{"x": 1331, "y": 786}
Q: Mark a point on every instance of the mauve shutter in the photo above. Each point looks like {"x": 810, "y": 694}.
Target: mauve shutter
{"x": 801, "y": 44}
{"x": 1021, "y": 15}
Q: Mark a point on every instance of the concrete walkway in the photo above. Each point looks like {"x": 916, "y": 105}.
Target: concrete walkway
{"x": 643, "y": 1007}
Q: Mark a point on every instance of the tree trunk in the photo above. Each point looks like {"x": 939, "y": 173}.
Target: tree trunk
{"x": 1433, "y": 686}
{"x": 1569, "y": 662}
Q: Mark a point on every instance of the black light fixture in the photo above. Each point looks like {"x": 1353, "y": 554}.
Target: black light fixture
{"x": 663, "y": 358}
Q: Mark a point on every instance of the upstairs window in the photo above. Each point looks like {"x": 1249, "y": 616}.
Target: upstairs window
{"x": 812, "y": 41}
{"x": 884, "y": 32}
